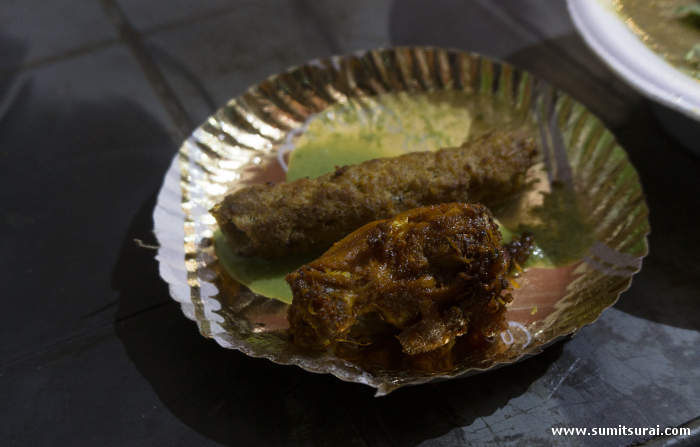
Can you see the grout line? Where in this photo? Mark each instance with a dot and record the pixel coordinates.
(328, 33)
(87, 332)
(168, 61)
(196, 18)
(132, 39)
(106, 43)
(74, 52)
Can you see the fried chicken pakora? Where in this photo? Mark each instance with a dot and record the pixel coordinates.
(432, 272)
(271, 220)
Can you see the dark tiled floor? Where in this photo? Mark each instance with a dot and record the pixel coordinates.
(49, 33)
(164, 13)
(86, 133)
(95, 97)
(227, 58)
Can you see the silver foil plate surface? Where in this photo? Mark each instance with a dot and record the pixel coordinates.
(582, 166)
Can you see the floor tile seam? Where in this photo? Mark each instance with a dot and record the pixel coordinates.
(78, 51)
(193, 19)
(102, 44)
(165, 93)
(8, 363)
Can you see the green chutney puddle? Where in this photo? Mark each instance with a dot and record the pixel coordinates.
(262, 276)
(357, 131)
(384, 126)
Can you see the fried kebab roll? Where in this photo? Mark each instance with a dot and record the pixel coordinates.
(433, 272)
(270, 220)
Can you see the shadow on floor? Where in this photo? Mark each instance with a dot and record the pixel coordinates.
(12, 81)
(237, 400)
(667, 290)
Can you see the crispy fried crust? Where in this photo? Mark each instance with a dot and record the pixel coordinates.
(270, 220)
(431, 272)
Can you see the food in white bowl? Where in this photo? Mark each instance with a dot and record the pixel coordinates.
(626, 38)
(671, 28)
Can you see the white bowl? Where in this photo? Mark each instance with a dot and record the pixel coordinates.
(606, 33)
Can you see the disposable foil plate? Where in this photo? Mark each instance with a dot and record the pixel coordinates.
(583, 173)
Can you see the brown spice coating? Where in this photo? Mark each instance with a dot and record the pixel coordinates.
(270, 220)
(520, 248)
(431, 272)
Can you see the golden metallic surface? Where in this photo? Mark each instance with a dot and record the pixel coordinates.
(584, 173)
